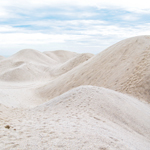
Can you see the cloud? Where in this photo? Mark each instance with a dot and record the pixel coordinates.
(72, 25)
(77, 35)
(140, 6)
(130, 17)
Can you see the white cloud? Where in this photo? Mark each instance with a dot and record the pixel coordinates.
(93, 37)
(140, 6)
(130, 17)
(37, 38)
(71, 34)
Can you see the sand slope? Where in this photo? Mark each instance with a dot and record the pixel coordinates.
(84, 118)
(122, 67)
(71, 63)
(19, 95)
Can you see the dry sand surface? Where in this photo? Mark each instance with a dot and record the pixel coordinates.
(60, 100)
(86, 118)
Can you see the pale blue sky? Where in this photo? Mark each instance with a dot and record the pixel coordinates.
(80, 26)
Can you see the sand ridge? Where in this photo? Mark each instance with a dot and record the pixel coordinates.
(71, 63)
(30, 65)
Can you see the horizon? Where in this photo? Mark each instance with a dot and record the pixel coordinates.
(78, 26)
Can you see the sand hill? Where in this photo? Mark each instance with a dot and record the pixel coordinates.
(71, 63)
(83, 118)
(122, 67)
(100, 102)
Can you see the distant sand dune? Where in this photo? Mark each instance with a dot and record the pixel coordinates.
(30, 55)
(30, 65)
(60, 56)
(1, 57)
(24, 71)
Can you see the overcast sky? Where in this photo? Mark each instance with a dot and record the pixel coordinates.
(74, 25)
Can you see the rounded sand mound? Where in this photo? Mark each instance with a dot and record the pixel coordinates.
(100, 102)
(30, 55)
(122, 67)
(71, 63)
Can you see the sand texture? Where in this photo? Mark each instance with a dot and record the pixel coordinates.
(85, 118)
(61, 100)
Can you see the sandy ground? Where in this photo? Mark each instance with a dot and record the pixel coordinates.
(84, 118)
(62, 100)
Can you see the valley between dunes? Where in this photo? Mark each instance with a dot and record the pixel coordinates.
(61, 100)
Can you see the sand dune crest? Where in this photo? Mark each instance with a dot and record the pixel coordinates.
(60, 56)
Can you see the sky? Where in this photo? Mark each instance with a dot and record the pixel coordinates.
(83, 26)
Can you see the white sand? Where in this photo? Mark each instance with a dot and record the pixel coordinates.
(83, 118)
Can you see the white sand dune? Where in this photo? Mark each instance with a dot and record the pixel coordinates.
(25, 72)
(20, 95)
(84, 118)
(71, 63)
(34, 114)
(31, 65)
(26, 65)
(122, 67)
